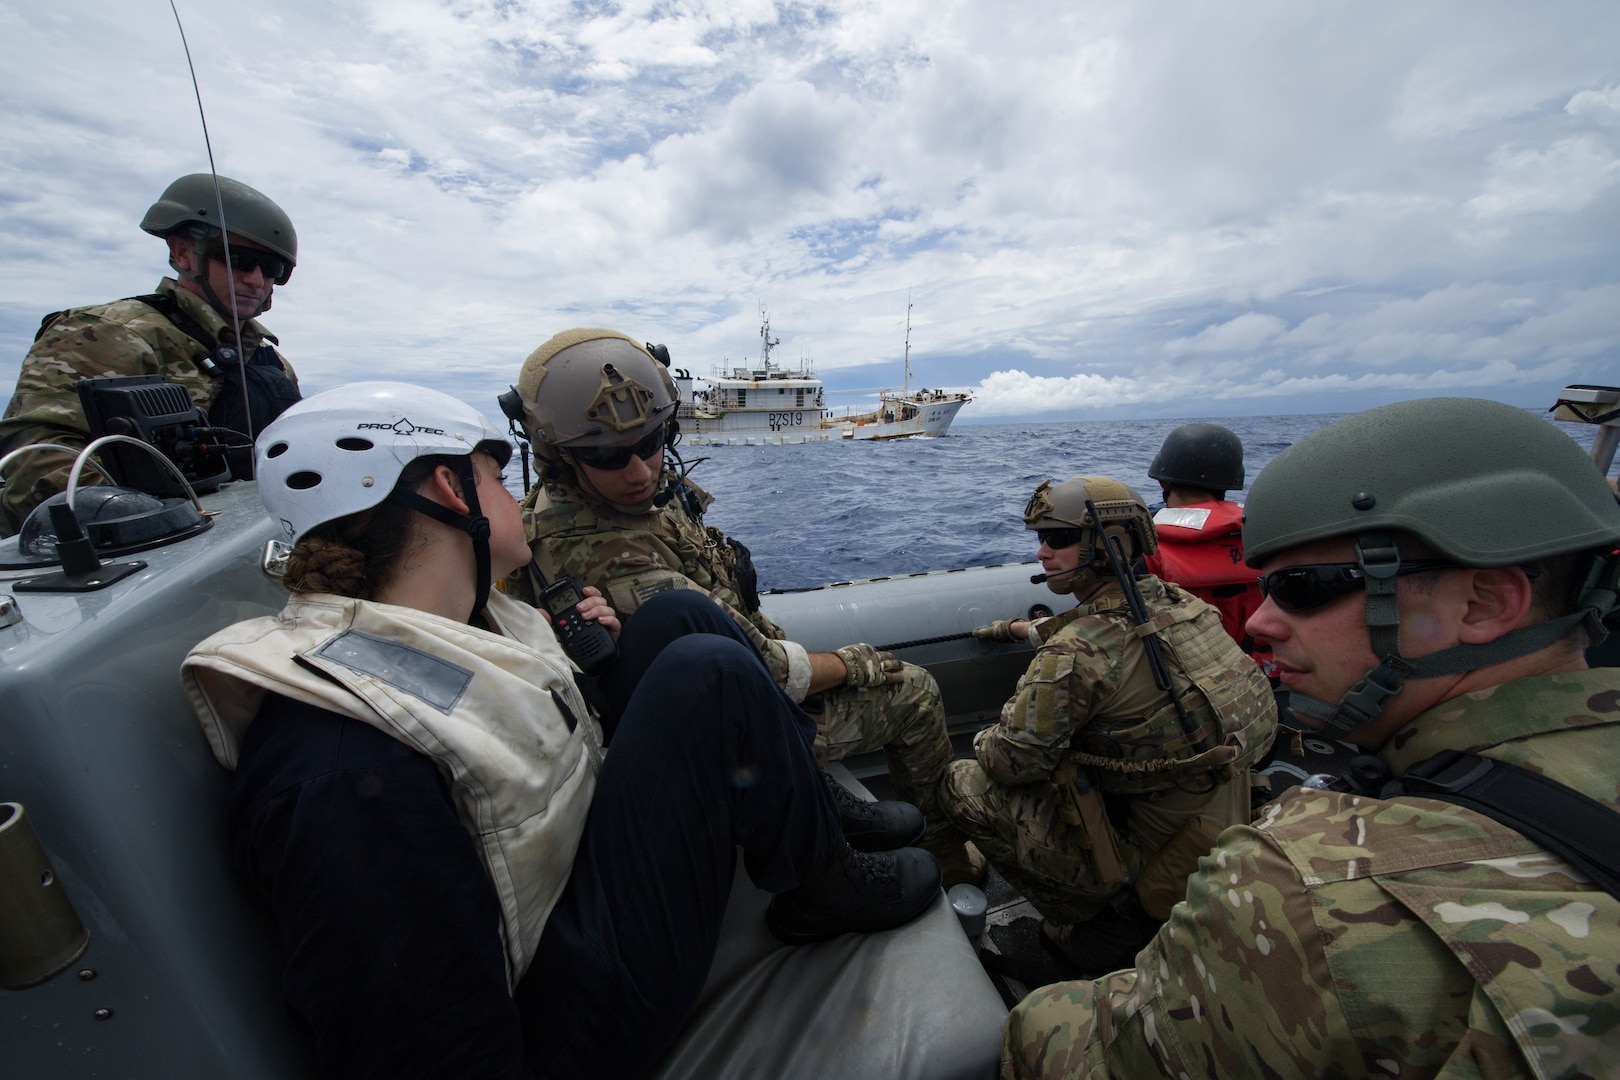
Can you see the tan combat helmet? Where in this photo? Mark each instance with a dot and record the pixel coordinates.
(1120, 509)
(592, 387)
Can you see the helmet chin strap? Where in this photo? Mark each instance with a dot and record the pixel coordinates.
(473, 523)
(1367, 699)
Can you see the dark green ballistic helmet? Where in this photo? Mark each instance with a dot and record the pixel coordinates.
(1204, 456)
(190, 200)
(1483, 483)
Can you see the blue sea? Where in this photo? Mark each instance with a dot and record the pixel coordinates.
(841, 510)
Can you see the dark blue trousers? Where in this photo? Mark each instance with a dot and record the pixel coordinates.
(708, 757)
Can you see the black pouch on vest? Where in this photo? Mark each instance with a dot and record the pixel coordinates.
(269, 393)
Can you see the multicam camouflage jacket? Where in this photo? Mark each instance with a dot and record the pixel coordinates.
(125, 337)
(1351, 936)
(1089, 692)
(631, 557)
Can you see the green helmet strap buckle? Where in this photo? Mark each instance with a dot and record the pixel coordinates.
(1600, 595)
(1380, 561)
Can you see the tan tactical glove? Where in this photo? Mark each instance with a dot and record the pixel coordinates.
(1000, 630)
(865, 665)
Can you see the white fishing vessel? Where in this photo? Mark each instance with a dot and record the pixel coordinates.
(768, 405)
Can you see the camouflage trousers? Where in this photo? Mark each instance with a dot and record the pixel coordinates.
(1054, 1032)
(1021, 830)
(906, 720)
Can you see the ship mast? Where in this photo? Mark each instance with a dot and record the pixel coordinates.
(906, 383)
(765, 338)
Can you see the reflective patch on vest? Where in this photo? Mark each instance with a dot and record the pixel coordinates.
(645, 590)
(420, 674)
(1182, 517)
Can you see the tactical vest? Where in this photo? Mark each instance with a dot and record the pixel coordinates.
(500, 714)
(1228, 697)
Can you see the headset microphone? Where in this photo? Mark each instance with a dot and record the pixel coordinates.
(1037, 579)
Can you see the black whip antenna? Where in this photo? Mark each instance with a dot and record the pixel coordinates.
(224, 232)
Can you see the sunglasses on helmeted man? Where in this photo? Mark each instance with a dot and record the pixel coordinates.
(613, 458)
(1059, 538)
(244, 259)
(1302, 588)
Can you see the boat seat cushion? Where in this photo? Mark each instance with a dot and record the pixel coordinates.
(912, 1002)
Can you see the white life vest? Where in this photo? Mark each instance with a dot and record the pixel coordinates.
(499, 713)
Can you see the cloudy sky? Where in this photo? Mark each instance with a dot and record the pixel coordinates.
(1096, 210)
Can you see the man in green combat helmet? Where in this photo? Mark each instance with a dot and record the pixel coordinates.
(612, 511)
(185, 331)
(1434, 572)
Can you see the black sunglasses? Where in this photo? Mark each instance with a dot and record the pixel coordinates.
(1059, 538)
(244, 259)
(613, 458)
(1302, 588)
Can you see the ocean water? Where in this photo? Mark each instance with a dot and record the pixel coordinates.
(838, 511)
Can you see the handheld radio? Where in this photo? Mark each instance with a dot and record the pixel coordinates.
(584, 640)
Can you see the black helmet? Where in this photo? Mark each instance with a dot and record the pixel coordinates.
(191, 201)
(1204, 456)
(1482, 483)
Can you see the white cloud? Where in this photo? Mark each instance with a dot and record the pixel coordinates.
(1565, 178)
(1092, 207)
(1241, 334)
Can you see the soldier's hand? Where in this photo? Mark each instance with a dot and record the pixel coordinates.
(1003, 630)
(865, 666)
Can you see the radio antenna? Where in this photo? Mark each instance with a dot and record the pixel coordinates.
(224, 232)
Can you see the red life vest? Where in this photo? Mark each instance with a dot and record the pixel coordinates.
(1201, 549)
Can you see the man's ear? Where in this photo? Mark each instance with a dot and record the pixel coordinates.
(181, 255)
(1499, 601)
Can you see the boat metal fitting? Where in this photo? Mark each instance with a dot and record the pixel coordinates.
(40, 933)
(10, 613)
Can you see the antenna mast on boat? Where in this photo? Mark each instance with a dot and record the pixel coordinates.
(765, 338)
(906, 379)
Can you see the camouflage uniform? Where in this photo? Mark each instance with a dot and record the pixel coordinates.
(125, 337)
(1350, 936)
(1089, 699)
(631, 557)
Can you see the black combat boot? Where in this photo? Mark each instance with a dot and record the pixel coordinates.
(858, 892)
(875, 826)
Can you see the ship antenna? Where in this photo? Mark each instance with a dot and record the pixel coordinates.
(224, 232)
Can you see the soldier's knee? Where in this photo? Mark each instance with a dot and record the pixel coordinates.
(961, 793)
(1047, 1032)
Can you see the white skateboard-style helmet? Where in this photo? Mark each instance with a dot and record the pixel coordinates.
(342, 450)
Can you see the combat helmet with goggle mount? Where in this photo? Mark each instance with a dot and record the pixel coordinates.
(1081, 504)
(1480, 483)
(594, 390)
